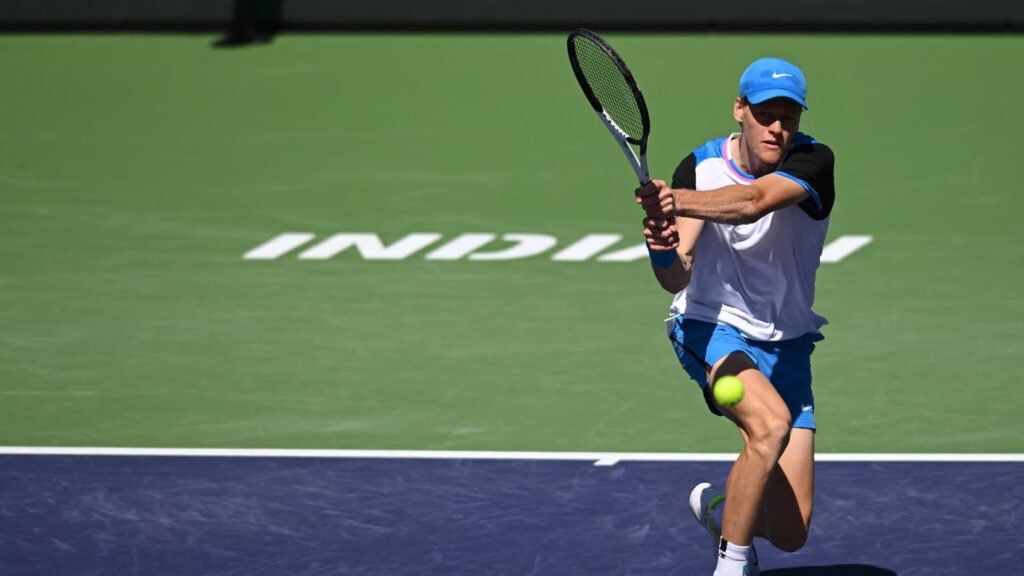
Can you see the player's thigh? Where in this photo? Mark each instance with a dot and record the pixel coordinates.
(762, 410)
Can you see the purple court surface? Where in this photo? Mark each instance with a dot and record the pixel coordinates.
(106, 515)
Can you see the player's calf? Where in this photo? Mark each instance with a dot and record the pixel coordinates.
(784, 518)
(788, 538)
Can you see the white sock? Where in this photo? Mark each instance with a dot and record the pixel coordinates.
(732, 559)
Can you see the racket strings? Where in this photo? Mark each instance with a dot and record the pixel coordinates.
(609, 86)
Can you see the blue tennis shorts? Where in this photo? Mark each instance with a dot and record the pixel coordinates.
(786, 363)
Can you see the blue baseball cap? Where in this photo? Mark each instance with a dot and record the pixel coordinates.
(769, 78)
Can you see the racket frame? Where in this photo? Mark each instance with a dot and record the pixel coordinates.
(625, 141)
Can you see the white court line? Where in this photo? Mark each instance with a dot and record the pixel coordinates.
(842, 247)
(599, 458)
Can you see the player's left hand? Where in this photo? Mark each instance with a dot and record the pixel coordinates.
(656, 199)
(661, 233)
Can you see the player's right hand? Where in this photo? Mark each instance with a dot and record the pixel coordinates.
(655, 198)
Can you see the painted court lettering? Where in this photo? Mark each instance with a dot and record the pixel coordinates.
(485, 247)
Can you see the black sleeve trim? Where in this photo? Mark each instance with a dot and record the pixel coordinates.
(814, 164)
(685, 175)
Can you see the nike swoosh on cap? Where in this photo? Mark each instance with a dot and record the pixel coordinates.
(774, 75)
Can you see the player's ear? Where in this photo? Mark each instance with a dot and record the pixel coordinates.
(737, 109)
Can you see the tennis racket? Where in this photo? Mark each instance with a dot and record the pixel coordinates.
(612, 91)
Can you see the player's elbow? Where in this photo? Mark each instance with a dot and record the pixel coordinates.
(673, 279)
(675, 285)
(747, 214)
(753, 210)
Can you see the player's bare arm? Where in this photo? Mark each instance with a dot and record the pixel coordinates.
(688, 230)
(735, 204)
(678, 235)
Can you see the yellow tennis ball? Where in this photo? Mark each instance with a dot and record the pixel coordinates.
(728, 390)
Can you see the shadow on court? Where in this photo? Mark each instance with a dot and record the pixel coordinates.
(839, 570)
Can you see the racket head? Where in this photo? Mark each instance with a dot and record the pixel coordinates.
(609, 85)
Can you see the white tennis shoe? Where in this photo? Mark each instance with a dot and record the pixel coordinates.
(706, 503)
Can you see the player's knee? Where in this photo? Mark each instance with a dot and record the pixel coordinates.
(770, 435)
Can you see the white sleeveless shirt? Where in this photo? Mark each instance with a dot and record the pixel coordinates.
(759, 277)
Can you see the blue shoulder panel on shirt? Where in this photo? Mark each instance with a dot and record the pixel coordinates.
(710, 149)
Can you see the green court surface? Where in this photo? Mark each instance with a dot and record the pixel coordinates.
(136, 171)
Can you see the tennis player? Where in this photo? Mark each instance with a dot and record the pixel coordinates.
(738, 238)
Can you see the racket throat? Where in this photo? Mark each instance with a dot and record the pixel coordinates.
(639, 163)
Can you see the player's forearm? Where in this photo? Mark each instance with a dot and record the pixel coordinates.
(675, 277)
(732, 204)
